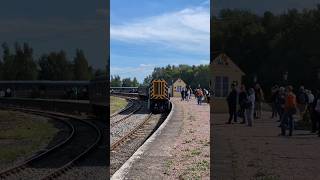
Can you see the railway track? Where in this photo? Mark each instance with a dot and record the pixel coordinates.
(125, 113)
(56, 161)
(135, 131)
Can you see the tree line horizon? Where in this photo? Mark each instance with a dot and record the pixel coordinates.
(192, 75)
(271, 49)
(19, 63)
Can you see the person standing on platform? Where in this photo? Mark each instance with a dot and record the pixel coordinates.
(182, 94)
(274, 94)
(316, 113)
(189, 92)
(243, 98)
(280, 99)
(258, 101)
(250, 106)
(302, 100)
(232, 104)
(199, 95)
(289, 110)
(186, 94)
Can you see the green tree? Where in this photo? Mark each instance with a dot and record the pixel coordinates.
(115, 81)
(81, 69)
(192, 75)
(24, 63)
(55, 66)
(135, 82)
(19, 66)
(8, 71)
(126, 82)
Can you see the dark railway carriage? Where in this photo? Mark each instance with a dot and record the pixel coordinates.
(46, 89)
(143, 92)
(99, 96)
(123, 89)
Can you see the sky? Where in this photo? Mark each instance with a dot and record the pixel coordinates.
(152, 33)
(260, 6)
(52, 25)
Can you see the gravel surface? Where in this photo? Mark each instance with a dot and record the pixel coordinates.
(132, 106)
(122, 153)
(181, 150)
(258, 152)
(191, 150)
(80, 142)
(124, 127)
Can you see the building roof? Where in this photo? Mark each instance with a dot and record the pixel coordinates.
(179, 79)
(224, 61)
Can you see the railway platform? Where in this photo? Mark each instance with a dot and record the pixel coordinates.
(259, 152)
(176, 149)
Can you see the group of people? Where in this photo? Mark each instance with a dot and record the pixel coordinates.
(249, 101)
(285, 103)
(199, 93)
(186, 93)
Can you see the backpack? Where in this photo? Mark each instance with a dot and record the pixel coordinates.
(291, 101)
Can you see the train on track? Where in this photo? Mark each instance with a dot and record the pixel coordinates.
(157, 95)
(94, 91)
(45, 89)
(98, 96)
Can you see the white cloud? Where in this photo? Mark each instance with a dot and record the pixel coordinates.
(139, 72)
(186, 30)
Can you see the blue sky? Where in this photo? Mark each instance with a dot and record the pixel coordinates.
(150, 33)
(54, 25)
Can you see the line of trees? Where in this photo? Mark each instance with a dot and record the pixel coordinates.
(269, 45)
(20, 64)
(192, 75)
(116, 81)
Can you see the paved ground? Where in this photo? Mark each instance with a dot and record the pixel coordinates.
(241, 152)
(181, 151)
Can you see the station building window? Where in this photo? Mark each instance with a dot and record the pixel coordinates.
(221, 86)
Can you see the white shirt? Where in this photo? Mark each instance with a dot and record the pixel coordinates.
(310, 98)
(252, 99)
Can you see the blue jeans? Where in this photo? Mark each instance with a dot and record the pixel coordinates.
(199, 99)
(287, 122)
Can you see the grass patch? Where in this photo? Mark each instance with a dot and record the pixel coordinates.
(195, 170)
(195, 152)
(21, 134)
(168, 164)
(116, 104)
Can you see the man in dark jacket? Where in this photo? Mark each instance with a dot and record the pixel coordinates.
(232, 104)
